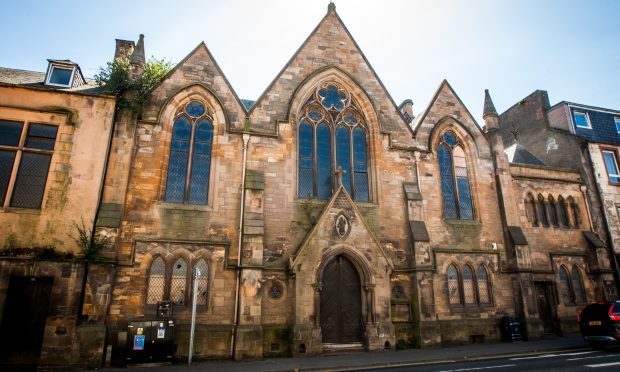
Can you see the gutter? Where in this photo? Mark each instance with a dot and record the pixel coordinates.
(233, 340)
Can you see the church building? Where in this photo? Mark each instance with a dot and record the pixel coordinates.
(320, 217)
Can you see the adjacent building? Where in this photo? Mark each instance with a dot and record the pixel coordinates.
(321, 216)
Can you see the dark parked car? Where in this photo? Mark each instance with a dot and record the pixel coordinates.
(599, 323)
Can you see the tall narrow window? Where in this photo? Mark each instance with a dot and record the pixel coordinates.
(562, 212)
(203, 282)
(29, 147)
(157, 281)
(454, 293)
(551, 211)
(468, 285)
(565, 288)
(332, 133)
(189, 163)
(482, 278)
(530, 210)
(574, 208)
(611, 165)
(577, 284)
(178, 282)
(455, 188)
(542, 211)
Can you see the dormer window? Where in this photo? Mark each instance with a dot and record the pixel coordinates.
(581, 120)
(64, 74)
(60, 76)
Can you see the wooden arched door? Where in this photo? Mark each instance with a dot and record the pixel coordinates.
(341, 303)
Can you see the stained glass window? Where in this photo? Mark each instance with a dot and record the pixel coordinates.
(482, 278)
(468, 285)
(454, 294)
(578, 289)
(454, 178)
(157, 281)
(203, 282)
(565, 287)
(178, 282)
(192, 138)
(331, 134)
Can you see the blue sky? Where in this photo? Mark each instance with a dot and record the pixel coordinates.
(569, 48)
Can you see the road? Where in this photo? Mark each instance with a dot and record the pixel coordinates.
(594, 360)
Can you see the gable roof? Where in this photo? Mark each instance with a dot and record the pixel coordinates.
(340, 193)
(517, 153)
(35, 79)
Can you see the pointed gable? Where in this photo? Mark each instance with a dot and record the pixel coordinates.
(325, 232)
(444, 105)
(330, 44)
(198, 68)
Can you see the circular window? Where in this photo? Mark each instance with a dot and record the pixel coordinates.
(195, 109)
(450, 138)
(276, 290)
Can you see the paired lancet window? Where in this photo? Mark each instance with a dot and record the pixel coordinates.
(455, 189)
(465, 288)
(189, 164)
(332, 135)
(170, 282)
(571, 286)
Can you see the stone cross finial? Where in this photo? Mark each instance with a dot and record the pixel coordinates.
(339, 173)
(514, 133)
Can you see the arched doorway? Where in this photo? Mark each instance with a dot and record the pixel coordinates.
(341, 303)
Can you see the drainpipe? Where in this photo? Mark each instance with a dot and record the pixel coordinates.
(246, 139)
(610, 245)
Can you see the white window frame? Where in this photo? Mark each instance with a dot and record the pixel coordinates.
(617, 122)
(51, 71)
(576, 112)
(614, 156)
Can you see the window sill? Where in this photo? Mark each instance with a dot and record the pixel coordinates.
(21, 211)
(463, 222)
(185, 207)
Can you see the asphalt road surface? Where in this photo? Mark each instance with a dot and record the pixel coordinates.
(587, 360)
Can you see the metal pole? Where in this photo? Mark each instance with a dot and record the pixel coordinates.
(193, 328)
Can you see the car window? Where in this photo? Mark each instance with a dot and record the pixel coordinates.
(596, 311)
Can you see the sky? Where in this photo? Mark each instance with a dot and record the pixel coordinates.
(569, 48)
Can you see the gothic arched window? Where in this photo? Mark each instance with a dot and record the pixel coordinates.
(565, 288)
(157, 281)
(484, 291)
(551, 212)
(562, 212)
(577, 284)
(332, 134)
(203, 282)
(454, 292)
(530, 210)
(574, 208)
(541, 208)
(189, 164)
(455, 189)
(178, 282)
(468, 285)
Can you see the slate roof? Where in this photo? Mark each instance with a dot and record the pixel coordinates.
(248, 103)
(517, 153)
(36, 79)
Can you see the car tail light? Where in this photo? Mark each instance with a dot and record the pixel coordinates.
(612, 313)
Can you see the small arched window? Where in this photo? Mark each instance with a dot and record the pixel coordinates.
(468, 285)
(178, 282)
(577, 284)
(203, 282)
(565, 288)
(530, 209)
(551, 211)
(574, 208)
(157, 281)
(455, 188)
(562, 212)
(189, 163)
(332, 134)
(482, 277)
(542, 211)
(454, 293)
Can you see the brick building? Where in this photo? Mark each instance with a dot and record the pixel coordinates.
(322, 217)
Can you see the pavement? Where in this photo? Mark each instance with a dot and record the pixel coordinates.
(356, 361)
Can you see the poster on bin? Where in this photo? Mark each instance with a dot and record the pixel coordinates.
(138, 342)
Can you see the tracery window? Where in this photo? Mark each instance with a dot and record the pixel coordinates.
(332, 134)
(171, 283)
(455, 188)
(475, 289)
(454, 293)
(189, 164)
